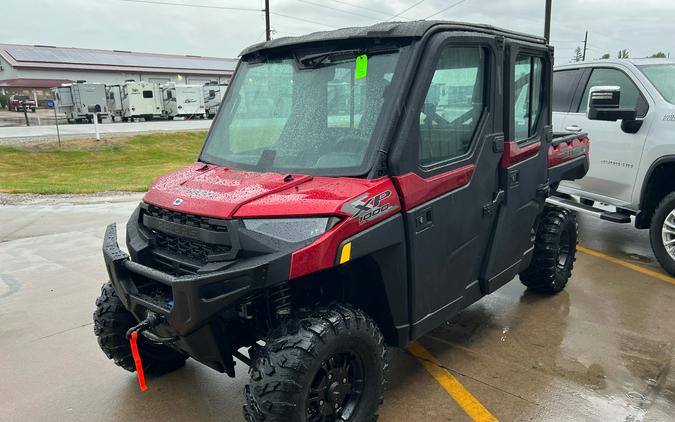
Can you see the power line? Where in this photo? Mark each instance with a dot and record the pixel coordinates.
(335, 8)
(200, 6)
(399, 14)
(443, 10)
(360, 7)
(302, 20)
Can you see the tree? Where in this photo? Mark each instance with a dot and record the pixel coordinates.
(578, 55)
(623, 54)
(605, 56)
(3, 101)
(659, 55)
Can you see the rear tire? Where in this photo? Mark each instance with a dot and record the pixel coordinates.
(661, 231)
(111, 322)
(555, 249)
(332, 360)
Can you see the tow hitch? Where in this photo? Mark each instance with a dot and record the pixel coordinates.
(150, 321)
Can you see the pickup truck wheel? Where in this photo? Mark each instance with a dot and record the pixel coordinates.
(328, 365)
(662, 233)
(111, 322)
(555, 249)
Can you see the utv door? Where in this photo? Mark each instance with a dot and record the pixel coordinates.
(447, 164)
(523, 170)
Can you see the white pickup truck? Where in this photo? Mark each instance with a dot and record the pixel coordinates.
(632, 160)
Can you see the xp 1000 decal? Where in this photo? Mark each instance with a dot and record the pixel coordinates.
(367, 208)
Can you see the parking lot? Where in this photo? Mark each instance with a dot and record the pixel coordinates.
(600, 350)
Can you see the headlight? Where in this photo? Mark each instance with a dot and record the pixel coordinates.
(290, 229)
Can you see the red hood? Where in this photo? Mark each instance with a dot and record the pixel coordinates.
(225, 193)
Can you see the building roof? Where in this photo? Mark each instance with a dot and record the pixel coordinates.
(50, 57)
(413, 29)
(32, 83)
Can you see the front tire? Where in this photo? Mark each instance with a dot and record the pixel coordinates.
(555, 249)
(324, 366)
(111, 322)
(662, 233)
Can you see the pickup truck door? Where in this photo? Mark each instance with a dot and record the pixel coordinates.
(615, 155)
(450, 178)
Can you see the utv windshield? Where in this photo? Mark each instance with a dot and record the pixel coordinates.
(662, 76)
(313, 114)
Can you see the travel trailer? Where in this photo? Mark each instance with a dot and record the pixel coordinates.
(81, 100)
(183, 101)
(213, 95)
(114, 97)
(141, 99)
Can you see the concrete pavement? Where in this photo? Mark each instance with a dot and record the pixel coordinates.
(601, 350)
(18, 135)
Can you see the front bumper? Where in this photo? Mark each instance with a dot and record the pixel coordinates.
(195, 307)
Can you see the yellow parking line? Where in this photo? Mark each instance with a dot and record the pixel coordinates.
(462, 396)
(628, 265)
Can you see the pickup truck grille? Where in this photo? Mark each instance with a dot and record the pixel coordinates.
(195, 239)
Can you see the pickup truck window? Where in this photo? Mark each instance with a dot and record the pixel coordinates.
(630, 94)
(453, 104)
(528, 83)
(663, 78)
(565, 83)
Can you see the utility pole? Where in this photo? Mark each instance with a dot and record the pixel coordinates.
(268, 33)
(547, 22)
(583, 57)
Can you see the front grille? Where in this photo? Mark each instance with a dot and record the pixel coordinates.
(208, 223)
(194, 247)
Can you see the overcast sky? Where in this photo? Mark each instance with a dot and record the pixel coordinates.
(643, 27)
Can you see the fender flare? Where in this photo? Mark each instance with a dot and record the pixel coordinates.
(661, 160)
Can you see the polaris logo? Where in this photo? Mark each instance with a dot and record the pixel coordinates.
(177, 201)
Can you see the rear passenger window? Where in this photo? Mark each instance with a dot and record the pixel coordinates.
(565, 83)
(453, 105)
(630, 94)
(528, 83)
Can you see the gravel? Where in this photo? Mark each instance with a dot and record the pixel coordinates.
(89, 198)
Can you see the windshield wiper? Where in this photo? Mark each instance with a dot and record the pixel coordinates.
(314, 60)
(318, 58)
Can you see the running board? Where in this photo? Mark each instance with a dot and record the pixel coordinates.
(614, 217)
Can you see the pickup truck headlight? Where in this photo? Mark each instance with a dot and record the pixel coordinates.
(291, 230)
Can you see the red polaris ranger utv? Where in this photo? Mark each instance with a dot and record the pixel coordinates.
(357, 188)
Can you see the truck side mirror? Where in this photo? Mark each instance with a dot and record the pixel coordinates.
(604, 104)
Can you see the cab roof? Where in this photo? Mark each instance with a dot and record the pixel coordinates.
(635, 62)
(413, 29)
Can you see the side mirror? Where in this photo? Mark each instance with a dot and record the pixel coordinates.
(604, 104)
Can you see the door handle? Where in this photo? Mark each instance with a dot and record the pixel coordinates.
(573, 128)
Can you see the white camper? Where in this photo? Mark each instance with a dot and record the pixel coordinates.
(81, 100)
(114, 96)
(141, 99)
(213, 95)
(183, 101)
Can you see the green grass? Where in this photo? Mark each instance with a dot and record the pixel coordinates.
(86, 167)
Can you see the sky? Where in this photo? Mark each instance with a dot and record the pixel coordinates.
(642, 27)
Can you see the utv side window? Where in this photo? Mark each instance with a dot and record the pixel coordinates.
(528, 80)
(630, 94)
(453, 105)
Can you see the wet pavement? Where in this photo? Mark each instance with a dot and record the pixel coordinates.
(601, 350)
